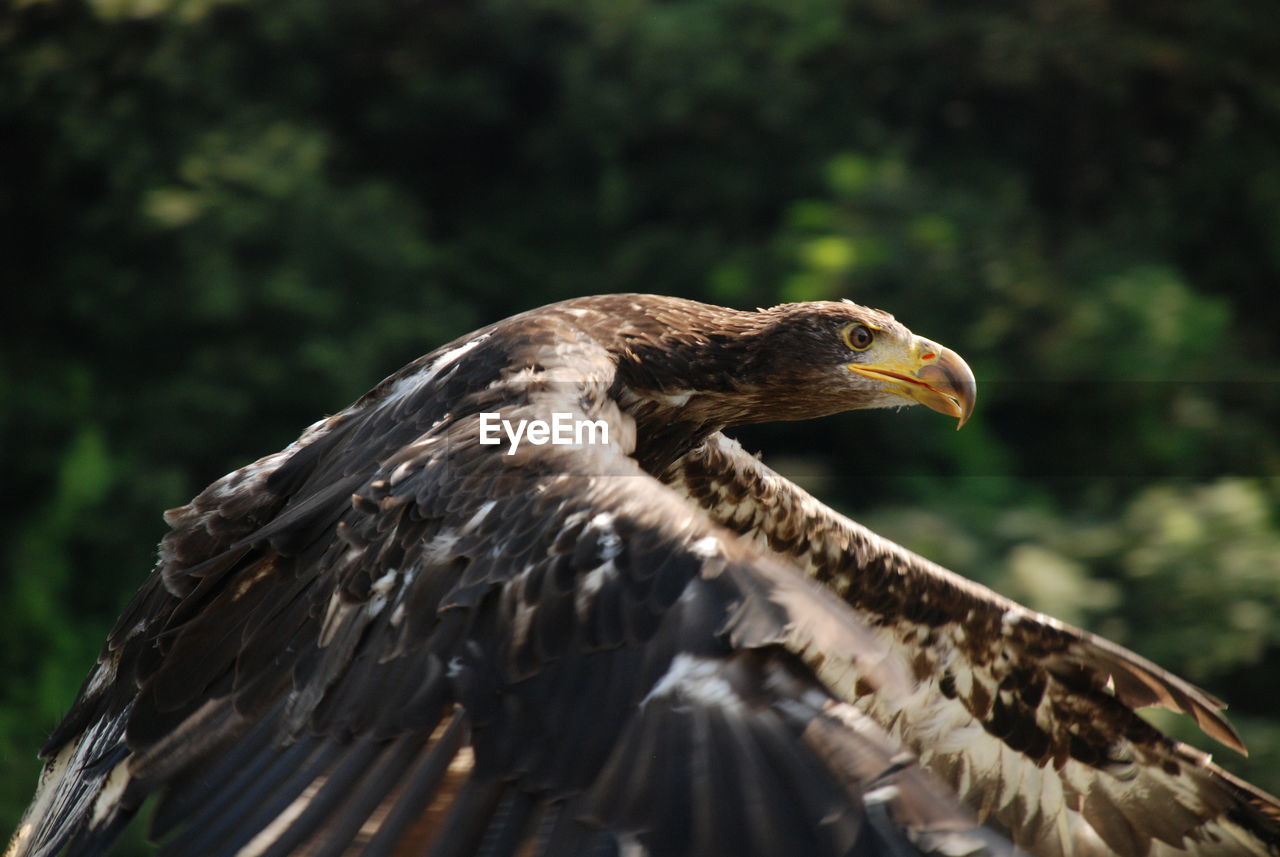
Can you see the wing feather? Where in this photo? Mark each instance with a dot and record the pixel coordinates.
(1028, 718)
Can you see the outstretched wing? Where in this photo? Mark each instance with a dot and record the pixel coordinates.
(390, 636)
(1032, 721)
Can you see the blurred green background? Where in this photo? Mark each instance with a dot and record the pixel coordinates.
(224, 219)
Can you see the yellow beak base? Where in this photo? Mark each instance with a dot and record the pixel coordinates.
(934, 376)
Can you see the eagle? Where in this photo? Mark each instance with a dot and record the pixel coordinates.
(525, 597)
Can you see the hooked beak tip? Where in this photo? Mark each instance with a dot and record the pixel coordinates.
(951, 387)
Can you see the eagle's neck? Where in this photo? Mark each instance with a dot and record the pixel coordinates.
(683, 382)
(686, 370)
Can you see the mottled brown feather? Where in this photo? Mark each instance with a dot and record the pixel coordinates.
(1060, 701)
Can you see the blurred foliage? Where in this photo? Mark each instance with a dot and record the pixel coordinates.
(224, 219)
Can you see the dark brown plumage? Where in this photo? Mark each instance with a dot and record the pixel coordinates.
(395, 637)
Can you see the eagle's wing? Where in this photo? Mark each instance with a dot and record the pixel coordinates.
(1032, 721)
(389, 636)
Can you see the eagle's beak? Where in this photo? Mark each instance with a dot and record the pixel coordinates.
(934, 376)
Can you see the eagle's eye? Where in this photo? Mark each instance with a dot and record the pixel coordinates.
(858, 337)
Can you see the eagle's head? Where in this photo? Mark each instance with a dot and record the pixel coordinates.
(826, 357)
